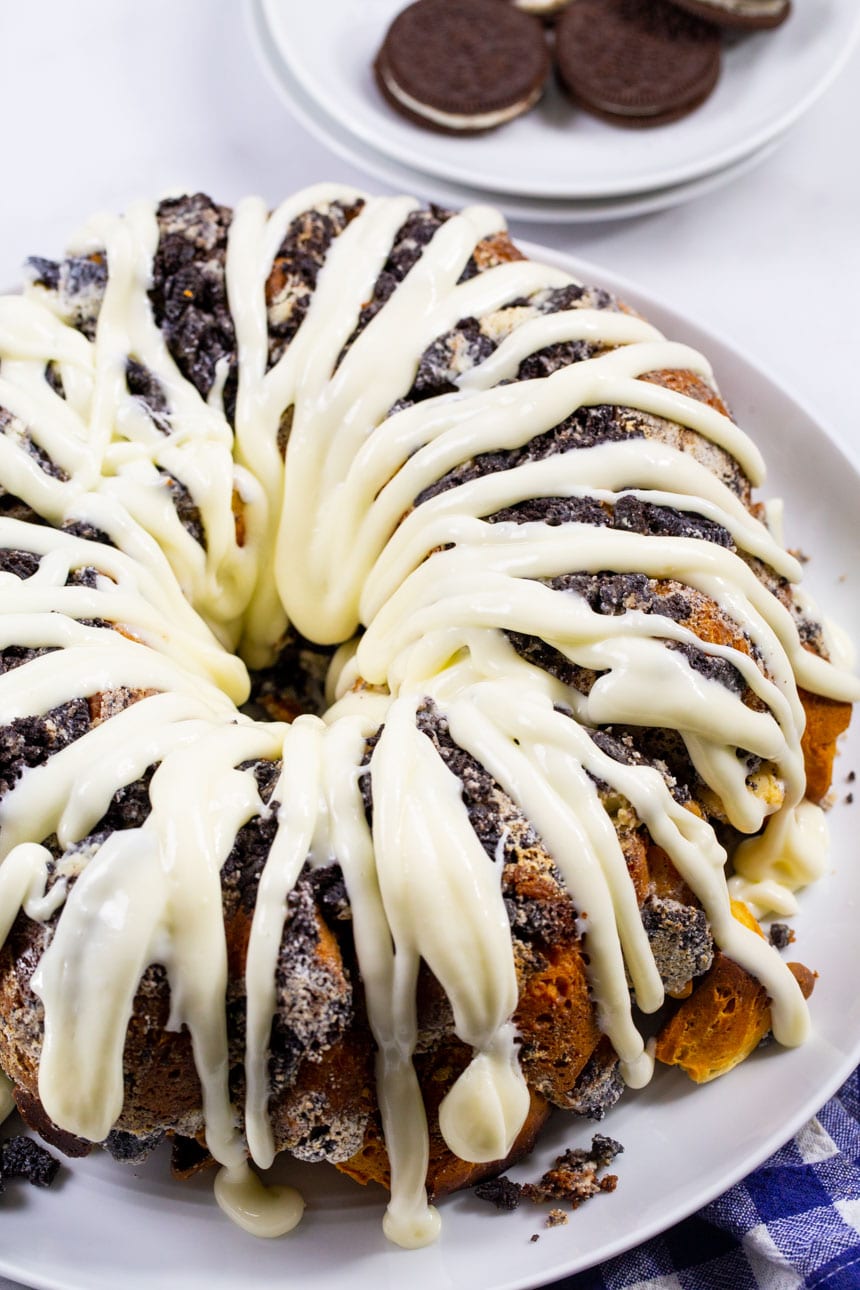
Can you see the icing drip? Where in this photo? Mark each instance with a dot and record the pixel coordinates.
(305, 511)
(7, 1100)
(260, 1210)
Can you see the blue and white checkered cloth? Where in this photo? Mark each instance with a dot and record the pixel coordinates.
(793, 1224)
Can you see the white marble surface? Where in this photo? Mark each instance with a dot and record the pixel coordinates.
(106, 100)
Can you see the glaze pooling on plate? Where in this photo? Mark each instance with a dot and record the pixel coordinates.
(396, 547)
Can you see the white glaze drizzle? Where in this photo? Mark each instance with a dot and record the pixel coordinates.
(435, 587)
(7, 1099)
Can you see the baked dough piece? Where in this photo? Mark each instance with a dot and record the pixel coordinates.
(725, 1018)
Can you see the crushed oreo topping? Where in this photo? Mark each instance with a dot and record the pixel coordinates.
(575, 295)
(616, 593)
(293, 276)
(16, 655)
(148, 391)
(448, 357)
(478, 788)
(87, 531)
(30, 741)
(313, 1007)
(13, 508)
(187, 510)
(189, 292)
(665, 750)
(710, 666)
(409, 241)
(78, 283)
(23, 564)
(554, 511)
(598, 1087)
(639, 516)
(680, 940)
(54, 378)
(543, 362)
(14, 429)
(582, 429)
(130, 1148)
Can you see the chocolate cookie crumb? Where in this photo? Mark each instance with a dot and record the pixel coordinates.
(573, 1178)
(781, 935)
(501, 1192)
(21, 1157)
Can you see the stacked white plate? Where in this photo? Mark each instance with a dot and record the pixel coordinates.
(556, 163)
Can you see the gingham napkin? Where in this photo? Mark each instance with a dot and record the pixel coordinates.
(793, 1224)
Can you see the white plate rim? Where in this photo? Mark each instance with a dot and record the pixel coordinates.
(718, 348)
(327, 130)
(373, 133)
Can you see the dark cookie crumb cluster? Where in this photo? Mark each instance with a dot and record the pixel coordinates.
(149, 393)
(781, 935)
(293, 277)
(189, 292)
(23, 1158)
(572, 1179)
(680, 940)
(79, 284)
(30, 741)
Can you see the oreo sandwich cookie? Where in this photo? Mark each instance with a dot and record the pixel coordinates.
(462, 66)
(753, 15)
(545, 9)
(636, 62)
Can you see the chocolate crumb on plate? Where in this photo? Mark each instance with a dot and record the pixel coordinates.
(781, 935)
(746, 15)
(501, 1192)
(573, 1179)
(574, 1176)
(21, 1157)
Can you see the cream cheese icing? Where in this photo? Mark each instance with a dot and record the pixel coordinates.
(455, 120)
(753, 8)
(432, 591)
(7, 1099)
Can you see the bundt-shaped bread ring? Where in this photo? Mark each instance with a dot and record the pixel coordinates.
(484, 543)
